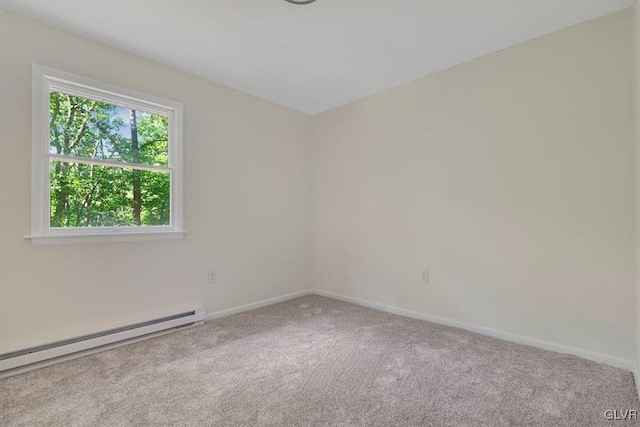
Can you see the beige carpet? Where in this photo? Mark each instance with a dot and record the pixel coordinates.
(315, 361)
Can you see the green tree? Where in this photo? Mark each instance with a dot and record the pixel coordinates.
(88, 195)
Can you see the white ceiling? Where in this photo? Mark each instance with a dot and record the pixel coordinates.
(315, 57)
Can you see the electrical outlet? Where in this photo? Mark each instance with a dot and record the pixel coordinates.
(212, 276)
(424, 276)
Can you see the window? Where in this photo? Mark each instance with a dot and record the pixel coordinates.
(106, 162)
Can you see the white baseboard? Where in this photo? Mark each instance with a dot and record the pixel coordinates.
(257, 304)
(508, 336)
(520, 339)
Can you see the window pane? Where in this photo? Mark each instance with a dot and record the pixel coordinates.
(86, 128)
(101, 196)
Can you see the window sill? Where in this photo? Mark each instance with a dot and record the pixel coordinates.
(68, 239)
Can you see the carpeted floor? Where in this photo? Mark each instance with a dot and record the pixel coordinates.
(315, 361)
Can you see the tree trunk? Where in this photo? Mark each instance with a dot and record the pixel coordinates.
(137, 193)
(61, 196)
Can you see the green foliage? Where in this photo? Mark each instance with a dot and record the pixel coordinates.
(84, 195)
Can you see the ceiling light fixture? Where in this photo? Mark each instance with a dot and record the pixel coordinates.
(300, 1)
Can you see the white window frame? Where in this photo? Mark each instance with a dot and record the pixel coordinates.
(43, 81)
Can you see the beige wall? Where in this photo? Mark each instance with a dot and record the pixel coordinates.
(510, 178)
(247, 202)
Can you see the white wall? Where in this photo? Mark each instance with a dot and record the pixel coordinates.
(247, 202)
(510, 178)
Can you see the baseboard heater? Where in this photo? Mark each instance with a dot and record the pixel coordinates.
(28, 356)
